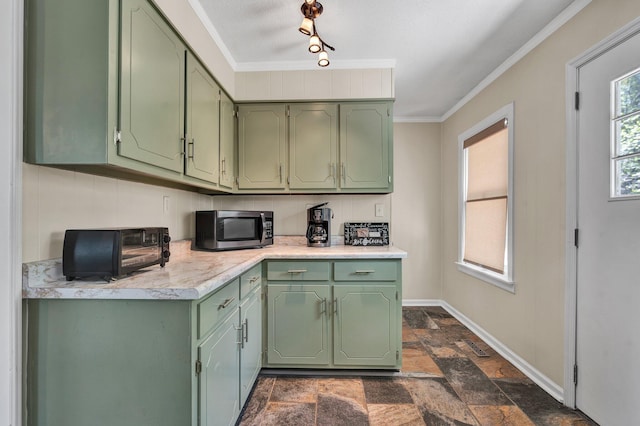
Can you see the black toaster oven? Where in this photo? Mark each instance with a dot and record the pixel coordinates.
(113, 252)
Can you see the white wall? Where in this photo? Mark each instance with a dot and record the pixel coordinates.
(55, 200)
(531, 321)
(315, 84)
(416, 204)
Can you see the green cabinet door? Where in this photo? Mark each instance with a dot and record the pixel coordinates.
(298, 324)
(261, 146)
(365, 325)
(251, 346)
(227, 142)
(313, 146)
(202, 131)
(152, 88)
(365, 156)
(218, 382)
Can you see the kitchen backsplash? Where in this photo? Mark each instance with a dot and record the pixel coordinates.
(290, 211)
(55, 200)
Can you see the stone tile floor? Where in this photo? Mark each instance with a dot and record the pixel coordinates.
(442, 382)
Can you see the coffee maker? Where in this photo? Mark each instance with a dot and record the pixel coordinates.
(319, 226)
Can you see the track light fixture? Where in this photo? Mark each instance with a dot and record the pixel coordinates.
(311, 9)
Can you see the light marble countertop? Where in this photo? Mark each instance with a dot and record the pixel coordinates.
(189, 275)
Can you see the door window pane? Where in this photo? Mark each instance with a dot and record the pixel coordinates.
(628, 135)
(627, 175)
(625, 159)
(628, 94)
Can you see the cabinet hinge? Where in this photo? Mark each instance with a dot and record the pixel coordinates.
(389, 178)
(198, 367)
(288, 112)
(117, 136)
(576, 234)
(577, 101)
(575, 374)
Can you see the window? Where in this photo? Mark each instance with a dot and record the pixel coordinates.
(625, 125)
(486, 199)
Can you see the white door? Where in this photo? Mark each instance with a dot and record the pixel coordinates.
(608, 272)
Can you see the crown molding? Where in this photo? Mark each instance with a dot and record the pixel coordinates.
(569, 12)
(202, 15)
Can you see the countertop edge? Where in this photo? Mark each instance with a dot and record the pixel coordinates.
(41, 279)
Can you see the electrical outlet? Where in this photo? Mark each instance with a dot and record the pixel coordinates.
(165, 204)
(379, 210)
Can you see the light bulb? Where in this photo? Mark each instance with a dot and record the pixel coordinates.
(323, 58)
(314, 44)
(306, 27)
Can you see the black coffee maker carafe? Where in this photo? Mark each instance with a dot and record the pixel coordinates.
(319, 226)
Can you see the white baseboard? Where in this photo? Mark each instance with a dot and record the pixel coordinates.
(527, 369)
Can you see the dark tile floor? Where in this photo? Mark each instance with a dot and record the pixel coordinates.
(442, 382)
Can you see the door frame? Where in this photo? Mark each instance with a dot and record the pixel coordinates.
(11, 79)
(571, 202)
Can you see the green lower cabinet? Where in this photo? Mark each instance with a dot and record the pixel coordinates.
(108, 363)
(298, 324)
(218, 382)
(365, 325)
(143, 362)
(352, 320)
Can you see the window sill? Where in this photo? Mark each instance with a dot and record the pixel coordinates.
(487, 276)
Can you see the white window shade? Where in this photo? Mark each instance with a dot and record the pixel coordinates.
(486, 200)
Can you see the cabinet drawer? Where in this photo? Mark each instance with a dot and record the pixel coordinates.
(250, 280)
(366, 271)
(298, 271)
(215, 308)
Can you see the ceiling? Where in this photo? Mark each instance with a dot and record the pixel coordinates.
(440, 49)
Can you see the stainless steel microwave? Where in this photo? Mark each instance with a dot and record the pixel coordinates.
(233, 229)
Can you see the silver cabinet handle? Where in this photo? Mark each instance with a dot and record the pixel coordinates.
(280, 172)
(323, 306)
(226, 303)
(224, 166)
(344, 174)
(192, 144)
(240, 329)
(296, 271)
(335, 306)
(245, 332)
(365, 271)
(253, 280)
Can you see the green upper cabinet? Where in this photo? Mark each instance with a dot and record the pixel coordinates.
(313, 146)
(202, 132)
(227, 142)
(332, 147)
(152, 91)
(365, 142)
(262, 146)
(109, 90)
